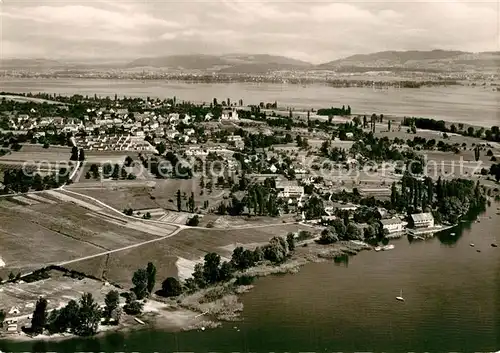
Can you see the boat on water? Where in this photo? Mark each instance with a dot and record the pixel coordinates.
(400, 298)
(471, 244)
(493, 245)
(453, 234)
(377, 248)
(388, 247)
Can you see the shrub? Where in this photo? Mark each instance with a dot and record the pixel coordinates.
(244, 280)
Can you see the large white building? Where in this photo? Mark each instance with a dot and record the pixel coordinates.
(230, 115)
(393, 225)
(423, 220)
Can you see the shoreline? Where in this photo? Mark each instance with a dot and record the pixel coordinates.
(195, 311)
(212, 306)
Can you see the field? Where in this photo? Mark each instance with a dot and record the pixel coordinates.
(149, 194)
(58, 290)
(26, 245)
(60, 228)
(29, 99)
(189, 245)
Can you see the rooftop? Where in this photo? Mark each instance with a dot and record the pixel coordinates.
(422, 217)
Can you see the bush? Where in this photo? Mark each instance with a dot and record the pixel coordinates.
(244, 280)
(170, 287)
(193, 221)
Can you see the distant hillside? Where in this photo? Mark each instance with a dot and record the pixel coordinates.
(265, 59)
(187, 62)
(233, 63)
(434, 60)
(9, 64)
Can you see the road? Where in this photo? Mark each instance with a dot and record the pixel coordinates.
(119, 249)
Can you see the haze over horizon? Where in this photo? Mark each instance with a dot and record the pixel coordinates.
(314, 32)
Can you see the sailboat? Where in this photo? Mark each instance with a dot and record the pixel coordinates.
(400, 298)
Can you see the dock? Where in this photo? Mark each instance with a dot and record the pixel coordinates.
(139, 321)
(197, 316)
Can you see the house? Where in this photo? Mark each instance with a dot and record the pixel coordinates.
(234, 138)
(289, 190)
(422, 220)
(14, 311)
(12, 328)
(230, 115)
(393, 225)
(171, 134)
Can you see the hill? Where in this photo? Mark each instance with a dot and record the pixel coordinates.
(9, 64)
(434, 60)
(231, 63)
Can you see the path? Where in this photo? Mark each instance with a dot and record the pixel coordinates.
(119, 249)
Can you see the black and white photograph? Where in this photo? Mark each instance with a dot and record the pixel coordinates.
(249, 176)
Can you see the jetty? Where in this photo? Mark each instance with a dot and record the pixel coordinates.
(197, 316)
(139, 321)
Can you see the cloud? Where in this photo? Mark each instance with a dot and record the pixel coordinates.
(317, 31)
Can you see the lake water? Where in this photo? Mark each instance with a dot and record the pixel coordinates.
(470, 105)
(452, 303)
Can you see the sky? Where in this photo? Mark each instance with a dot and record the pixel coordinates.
(315, 31)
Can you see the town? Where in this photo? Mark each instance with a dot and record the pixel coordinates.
(209, 195)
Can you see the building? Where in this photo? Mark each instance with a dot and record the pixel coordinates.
(393, 225)
(422, 220)
(230, 115)
(289, 189)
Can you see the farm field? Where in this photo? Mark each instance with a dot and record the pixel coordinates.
(26, 245)
(189, 244)
(58, 290)
(36, 153)
(121, 198)
(53, 230)
(151, 194)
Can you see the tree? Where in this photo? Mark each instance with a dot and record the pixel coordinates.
(242, 259)
(151, 271)
(161, 148)
(2, 317)
(89, 316)
(81, 155)
(290, 239)
(116, 172)
(211, 268)
(191, 203)
(477, 154)
(128, 161)
(353, 232)
(74, 154)
(39, 319)
(112, 300)
(179, 201)
(132, 305)
(226, 271)
(328, 236)
(193, 221)
(171, 287)
(276, 251)
(140, 281)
